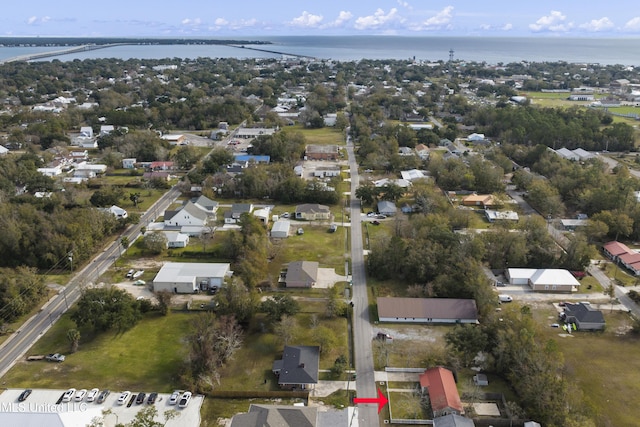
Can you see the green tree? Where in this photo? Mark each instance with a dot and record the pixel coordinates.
(124, 242)
(218, 158)
(106, 308)
(339, 366)
(164, 301)
(466, 341)
(235, 299)
(278, 306)
(135, 198)
(155, 242)
(185, 157)
(367, 193)
(146, 417)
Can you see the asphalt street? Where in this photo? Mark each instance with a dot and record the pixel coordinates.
(363, 333)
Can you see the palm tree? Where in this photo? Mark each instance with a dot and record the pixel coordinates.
(73, 335)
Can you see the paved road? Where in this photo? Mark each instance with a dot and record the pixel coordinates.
(363, 333)
(14, 348)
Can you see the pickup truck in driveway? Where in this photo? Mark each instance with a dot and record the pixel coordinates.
(55, 357)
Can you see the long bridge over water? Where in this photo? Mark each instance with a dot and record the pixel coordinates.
(88, 47)
(65, 51)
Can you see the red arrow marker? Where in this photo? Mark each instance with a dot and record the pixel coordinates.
(381, 400)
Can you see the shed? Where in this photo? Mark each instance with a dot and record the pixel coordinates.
(280, 229)
(480, 380)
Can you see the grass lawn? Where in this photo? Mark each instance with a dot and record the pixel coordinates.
(406, 406)
(316, 244)
(147, 357)
(322, 136)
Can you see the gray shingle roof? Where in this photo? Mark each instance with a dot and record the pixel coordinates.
(299, 365)
(584, 313)
(276, 416)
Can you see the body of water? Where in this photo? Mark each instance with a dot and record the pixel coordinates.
(492, 50)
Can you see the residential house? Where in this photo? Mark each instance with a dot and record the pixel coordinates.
(427, 310)
(483, 200)
(128, 163)
(237, 209)
(583, 316)
(493, 216)
(321, 152)
(117, 211)
(191, 277)
(440, 384)
(175, 239)
(312, 212)
(79, 156)
(251, 133)
(277, 415)
(301, 274)
(453, 420)
(86, 132)
(475, 137)
(247, 159)
(386, 207)
(187, 215)
(106, 129)
(87, 170)
(207, 205)
(161, 166)
(175, 139)
(614, 249)
(422, 151)
(405, 151)
(280, 229)
(51, 171)
(298, 368)
(412, 174)
(3, 150)
(572, 224)
(326, 172)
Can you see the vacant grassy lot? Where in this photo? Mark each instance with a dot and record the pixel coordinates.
(316, 244)
(147, 357)
(322, 136)
(603, 365)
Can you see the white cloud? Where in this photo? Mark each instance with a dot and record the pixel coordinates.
(243, 23)
(633, 24)
(221, 22)
(601, 24)
(191, 22)
(32, 20)
(554, 22)
(439, 21)
(45, 19)
(307, 20)
(342, 17)
(377, 20)
(405, 4)
(507, 27)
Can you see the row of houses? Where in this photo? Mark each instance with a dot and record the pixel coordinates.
(622, 254)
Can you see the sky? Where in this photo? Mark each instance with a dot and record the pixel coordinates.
(215, 18)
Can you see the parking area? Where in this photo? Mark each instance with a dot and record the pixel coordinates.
(48, 402)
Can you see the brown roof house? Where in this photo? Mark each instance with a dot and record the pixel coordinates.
(298, 368)
(321, 152)
(484, 200)
(427, 310)
(301, 274)
(312, 211)
(443, 392)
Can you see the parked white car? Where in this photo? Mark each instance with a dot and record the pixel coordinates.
(124, 396)
(68, 395)
(505, 298)
(80, 394)
(184, 401)
(93, 394)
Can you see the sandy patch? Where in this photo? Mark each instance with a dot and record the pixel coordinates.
(487, 409)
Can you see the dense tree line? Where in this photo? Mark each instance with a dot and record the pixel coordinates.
(20, 291)
(554, 127)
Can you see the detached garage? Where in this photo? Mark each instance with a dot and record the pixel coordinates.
(280, 229)
(189, 278)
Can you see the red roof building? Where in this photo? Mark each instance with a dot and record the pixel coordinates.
(443, 392)
(614, 249)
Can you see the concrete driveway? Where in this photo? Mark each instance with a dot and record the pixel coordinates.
(328, 277)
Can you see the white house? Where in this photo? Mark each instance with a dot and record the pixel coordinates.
(53, 171)
(86, 131)
(118, 212)
(87, 170)
(106, 129)
(386, 207)
(175, 239)
(128, 163)
(191, 277)
(476, 137)
(237, 209)
(187, 215)
(263, 214)
(3, 150)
